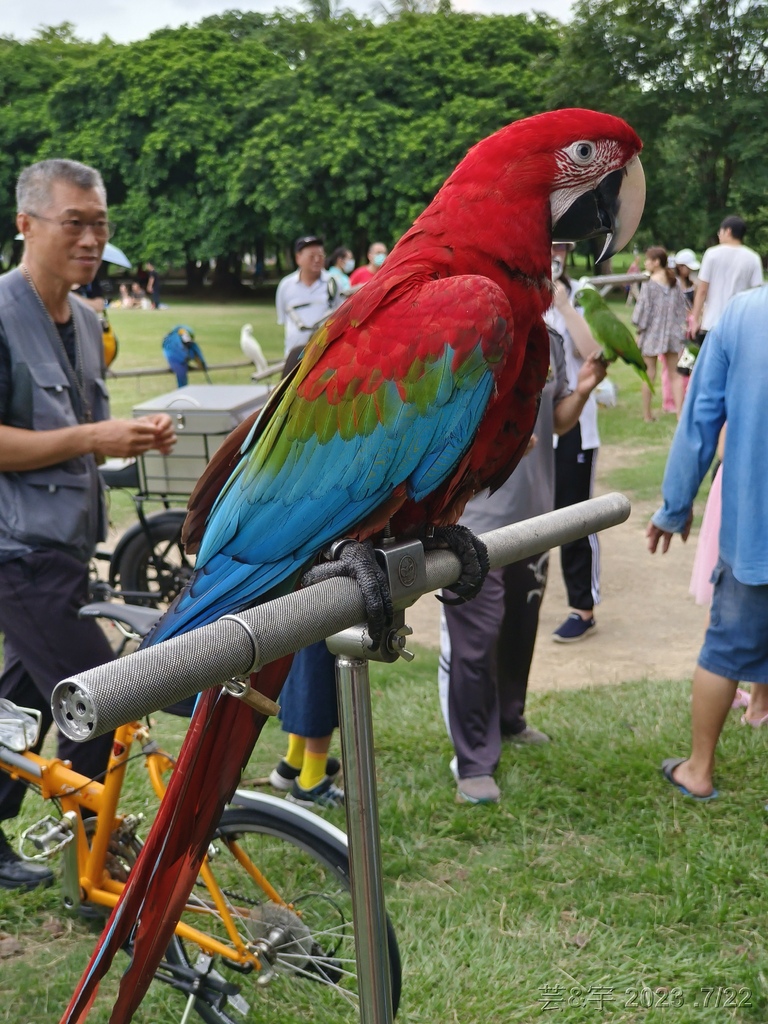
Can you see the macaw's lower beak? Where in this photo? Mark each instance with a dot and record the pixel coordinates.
(612, 209)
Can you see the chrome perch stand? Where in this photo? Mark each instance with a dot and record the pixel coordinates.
(97, 701)
(406, 571)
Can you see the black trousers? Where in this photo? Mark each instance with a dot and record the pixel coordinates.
(44, 642)
(485, 661)
(579, 560)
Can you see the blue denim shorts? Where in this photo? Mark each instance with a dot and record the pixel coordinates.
(736, 643)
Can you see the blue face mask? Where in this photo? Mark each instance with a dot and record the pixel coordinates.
(349, 266)
(379, 258)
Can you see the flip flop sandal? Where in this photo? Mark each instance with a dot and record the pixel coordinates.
(754, 722)
(668, 766)
(741, 700)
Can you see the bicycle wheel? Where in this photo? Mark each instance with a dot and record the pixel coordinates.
(312, 977)
(160, 568)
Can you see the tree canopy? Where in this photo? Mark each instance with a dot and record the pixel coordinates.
(692, 79)
(246, 130)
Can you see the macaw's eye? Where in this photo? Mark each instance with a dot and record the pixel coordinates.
(582, 152)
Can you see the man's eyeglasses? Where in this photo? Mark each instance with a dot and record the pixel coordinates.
(74, 227)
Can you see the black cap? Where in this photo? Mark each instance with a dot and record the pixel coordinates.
(305, 240)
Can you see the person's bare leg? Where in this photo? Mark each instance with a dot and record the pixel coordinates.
(675, 381)
(317, 746)
(758, 702)
(650, 365)
(711, 699)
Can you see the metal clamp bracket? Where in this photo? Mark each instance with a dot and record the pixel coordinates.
(405, 564)
(406, 569)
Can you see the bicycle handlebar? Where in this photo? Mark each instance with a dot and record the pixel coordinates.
(97, 701)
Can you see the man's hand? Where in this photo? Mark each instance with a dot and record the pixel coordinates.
(654, 535)
(165, 434)
(125, 439)
(590, 375)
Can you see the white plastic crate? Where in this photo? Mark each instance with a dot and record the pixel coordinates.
(203, 416)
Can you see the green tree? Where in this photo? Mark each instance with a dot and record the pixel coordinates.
(164, 120)
(360, 135)
(324, 10)
(691, 78)
(28, 73)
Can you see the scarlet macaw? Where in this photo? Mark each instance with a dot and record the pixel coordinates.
(419, 391)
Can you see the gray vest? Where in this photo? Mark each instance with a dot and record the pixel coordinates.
(60, 506)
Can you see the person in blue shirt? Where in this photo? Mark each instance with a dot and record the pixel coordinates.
(180, 349)
(730, 382)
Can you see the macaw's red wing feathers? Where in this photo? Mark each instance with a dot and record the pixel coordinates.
(388, 409)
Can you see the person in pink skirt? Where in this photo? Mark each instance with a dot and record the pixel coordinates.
(755, 700)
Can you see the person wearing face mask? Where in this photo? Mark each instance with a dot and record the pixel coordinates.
(377, 253)
(340, 265)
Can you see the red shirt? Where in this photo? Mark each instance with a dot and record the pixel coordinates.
(361, 276)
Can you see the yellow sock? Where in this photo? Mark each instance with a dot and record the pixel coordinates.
(295, 753)
(313, 770)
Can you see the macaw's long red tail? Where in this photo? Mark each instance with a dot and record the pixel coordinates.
(218, 744)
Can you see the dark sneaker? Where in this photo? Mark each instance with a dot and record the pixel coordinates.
(324, 794)
(528, 736)
(574, 628)
(16, 873)
(283, 776)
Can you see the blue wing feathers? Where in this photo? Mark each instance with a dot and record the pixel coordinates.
(276, 512)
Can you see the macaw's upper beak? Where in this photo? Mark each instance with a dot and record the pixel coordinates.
(613, 209)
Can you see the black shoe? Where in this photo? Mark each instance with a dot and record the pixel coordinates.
(16, 873)
(324, 794)
(282, 777)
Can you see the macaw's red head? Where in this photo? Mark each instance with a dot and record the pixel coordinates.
(577, 170)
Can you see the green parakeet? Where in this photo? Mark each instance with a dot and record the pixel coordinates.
(614, 337)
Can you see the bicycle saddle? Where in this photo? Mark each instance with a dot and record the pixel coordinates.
(135, 616)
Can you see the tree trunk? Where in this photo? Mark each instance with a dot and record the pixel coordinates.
(226, 274)
(195, 275)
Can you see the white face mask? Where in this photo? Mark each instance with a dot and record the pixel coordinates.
(349, 266)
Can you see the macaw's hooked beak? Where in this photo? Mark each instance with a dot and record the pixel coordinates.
(613, 209)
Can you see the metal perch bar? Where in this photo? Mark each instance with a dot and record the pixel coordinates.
(94, 702)
(163, 371)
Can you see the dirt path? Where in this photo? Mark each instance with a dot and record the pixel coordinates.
(648, 627)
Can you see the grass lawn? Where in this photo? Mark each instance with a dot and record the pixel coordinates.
(593, 892)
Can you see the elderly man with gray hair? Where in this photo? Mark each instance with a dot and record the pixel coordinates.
(54, 429)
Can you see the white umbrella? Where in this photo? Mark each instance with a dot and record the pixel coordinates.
(114, 255)
(111, 254)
